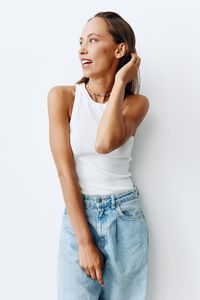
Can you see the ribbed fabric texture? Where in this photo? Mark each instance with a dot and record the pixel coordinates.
(97, 173)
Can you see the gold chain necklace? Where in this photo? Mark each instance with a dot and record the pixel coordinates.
(99, 94)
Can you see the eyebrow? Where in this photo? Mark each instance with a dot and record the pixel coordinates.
(93, 33)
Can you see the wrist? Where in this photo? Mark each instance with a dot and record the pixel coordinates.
(120, 82)
(85, 242)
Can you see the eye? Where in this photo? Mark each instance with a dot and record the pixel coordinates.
(92, 39)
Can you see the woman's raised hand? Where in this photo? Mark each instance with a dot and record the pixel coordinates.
(129, 70)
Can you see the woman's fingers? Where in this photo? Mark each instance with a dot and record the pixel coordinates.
(99, 274)
(95, 274)
(136, 59)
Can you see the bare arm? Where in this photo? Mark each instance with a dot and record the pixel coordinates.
(111, 126)
(59, 140)
(119, 122)
(90, 257)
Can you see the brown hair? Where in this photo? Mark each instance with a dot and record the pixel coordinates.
(121, 31)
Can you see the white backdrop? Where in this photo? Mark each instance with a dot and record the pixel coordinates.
(39, 44)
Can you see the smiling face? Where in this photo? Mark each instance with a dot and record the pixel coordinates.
(98, 46)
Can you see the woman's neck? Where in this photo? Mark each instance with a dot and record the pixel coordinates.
(101, 86)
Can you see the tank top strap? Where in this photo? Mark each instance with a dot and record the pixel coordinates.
(76, 103)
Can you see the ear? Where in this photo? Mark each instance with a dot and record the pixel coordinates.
(120, 50)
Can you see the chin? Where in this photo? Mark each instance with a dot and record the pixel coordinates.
(88, 74)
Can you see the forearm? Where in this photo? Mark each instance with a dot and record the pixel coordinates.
(75, 208)
(111, 126)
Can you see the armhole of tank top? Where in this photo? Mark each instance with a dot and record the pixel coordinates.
(76, 103)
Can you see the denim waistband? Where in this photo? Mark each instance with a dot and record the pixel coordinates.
(112, 199)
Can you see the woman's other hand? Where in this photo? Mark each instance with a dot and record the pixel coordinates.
(91, 261)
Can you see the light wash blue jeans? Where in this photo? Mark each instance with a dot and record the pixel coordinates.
(120, 231)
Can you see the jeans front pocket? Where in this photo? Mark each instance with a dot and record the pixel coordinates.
(130, 210)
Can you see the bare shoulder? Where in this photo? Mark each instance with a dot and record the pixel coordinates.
(60, 99)
(137, 99)
(61, 92)
(135, 109)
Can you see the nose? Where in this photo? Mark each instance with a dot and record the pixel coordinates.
(82, 49)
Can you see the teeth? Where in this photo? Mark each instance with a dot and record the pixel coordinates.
(86, 61)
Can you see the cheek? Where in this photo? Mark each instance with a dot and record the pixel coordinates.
(107, 52)
(102, 51)
(105, 56)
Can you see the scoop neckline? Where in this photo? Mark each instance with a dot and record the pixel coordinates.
(90, 98)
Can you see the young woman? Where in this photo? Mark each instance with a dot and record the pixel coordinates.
(103, 244)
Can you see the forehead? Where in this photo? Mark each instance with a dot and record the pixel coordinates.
(97, 25)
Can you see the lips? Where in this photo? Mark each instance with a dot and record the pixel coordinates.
(85, 61)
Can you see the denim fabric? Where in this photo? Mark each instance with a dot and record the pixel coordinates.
(120, 231)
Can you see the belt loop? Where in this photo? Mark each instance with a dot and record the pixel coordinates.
(138, 193)
(113, 201)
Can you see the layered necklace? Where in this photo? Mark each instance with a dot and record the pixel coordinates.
(97, 94)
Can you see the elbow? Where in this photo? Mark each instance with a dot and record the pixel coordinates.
(106, 143)
(104, 149)
(66, 174)
(101, 149)
(62, 174)
(107, 146)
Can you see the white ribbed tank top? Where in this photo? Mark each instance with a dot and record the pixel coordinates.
(97, 173)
